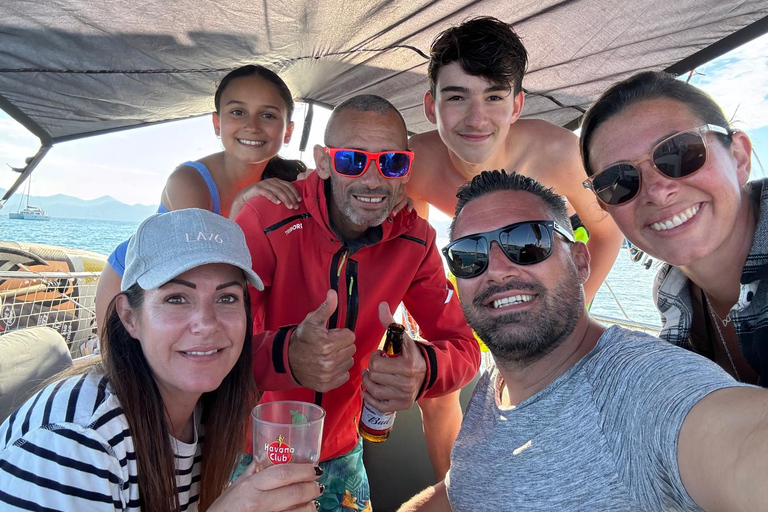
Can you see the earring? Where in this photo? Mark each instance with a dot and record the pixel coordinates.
(285, 145)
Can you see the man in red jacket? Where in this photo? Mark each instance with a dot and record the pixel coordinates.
(334, 269)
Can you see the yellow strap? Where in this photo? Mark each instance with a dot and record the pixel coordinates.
(341, 264)
(580, 234)
(452, 279)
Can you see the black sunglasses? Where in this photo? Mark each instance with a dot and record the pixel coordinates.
(524, 243)
(677, 156)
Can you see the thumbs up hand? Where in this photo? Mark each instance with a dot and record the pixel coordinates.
(393, 383)
(320, 358)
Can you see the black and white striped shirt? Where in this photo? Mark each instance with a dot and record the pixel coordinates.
(69, 448)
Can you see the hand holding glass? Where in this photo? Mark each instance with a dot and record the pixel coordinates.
(287, 431)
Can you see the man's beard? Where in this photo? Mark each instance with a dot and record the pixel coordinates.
(344, 202)
(523, 337)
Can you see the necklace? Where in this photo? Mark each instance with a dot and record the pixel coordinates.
(720, 333)
(725, 320)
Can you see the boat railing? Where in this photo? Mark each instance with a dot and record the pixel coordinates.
(627, 323)
(625, 320)
(64, 301)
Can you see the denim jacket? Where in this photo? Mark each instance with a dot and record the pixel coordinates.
(750, 313)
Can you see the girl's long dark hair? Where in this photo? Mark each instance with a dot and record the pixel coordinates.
(224, 414)
(261, 72)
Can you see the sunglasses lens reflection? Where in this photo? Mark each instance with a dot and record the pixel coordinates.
(350, 163)
(526, 244)
(394, 165)
(617, 184)
(681, 155)
(468, 257)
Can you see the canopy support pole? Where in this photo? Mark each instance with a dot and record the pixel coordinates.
(307, 127)
(31, 164)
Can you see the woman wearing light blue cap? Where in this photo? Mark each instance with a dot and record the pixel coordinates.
(157, 423)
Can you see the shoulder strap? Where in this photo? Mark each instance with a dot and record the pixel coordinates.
(212, 189)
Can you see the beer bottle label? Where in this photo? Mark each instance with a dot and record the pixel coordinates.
(375, 421)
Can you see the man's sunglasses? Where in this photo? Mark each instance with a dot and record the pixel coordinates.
(677, 156)
(354, 162)
(524, 243)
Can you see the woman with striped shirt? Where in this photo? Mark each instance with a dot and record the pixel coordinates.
(158, 422)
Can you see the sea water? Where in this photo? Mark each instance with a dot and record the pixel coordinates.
(628, 286)
(100, 236)
(627, 292)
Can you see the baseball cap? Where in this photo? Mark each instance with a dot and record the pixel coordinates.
(168, 244)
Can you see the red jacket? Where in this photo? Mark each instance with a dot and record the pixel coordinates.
(299, 258)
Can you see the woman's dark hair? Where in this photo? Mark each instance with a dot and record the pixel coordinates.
(483, 46)
(285, 169)
(645, 86)
(261, 72)
(224, 413)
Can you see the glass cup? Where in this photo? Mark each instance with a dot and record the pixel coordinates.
(287, 431)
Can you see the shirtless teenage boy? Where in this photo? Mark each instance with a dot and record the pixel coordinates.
(475, 98)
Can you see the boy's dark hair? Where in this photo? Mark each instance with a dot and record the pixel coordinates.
(646, 86)
(488, 182)
(483, 46)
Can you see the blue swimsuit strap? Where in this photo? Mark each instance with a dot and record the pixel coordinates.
(117, 258)
(212, 189)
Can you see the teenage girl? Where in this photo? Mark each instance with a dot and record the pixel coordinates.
(253, 119)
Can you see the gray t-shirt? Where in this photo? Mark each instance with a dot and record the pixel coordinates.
(601, 437)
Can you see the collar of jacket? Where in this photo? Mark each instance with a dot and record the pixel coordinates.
(315, 201)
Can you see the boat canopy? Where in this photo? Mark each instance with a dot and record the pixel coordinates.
(76, 68)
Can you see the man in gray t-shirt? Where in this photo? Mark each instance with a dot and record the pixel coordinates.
(573, 416)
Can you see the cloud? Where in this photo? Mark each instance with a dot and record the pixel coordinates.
(739, 83)
(130, 166)
(13, 153)
(63, 173)
(13, 130)
(16, 143)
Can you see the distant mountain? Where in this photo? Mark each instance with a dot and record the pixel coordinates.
(109, 208)
(101, 208)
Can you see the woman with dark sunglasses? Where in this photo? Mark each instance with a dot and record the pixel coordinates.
(665, 164)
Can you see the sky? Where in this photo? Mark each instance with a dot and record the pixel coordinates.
(132, 165)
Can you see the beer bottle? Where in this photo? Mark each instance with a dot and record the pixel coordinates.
(375, 425)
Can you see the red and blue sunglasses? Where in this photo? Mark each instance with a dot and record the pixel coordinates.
(354, 162)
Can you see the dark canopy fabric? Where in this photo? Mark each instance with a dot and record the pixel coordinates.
(74, 68)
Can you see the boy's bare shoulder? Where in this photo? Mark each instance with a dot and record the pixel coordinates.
(544, 150)
(427, 143)
(544, 132)
(429, 155)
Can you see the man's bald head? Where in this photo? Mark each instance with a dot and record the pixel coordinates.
(360, 103)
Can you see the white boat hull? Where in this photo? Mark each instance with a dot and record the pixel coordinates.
(28, 216)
